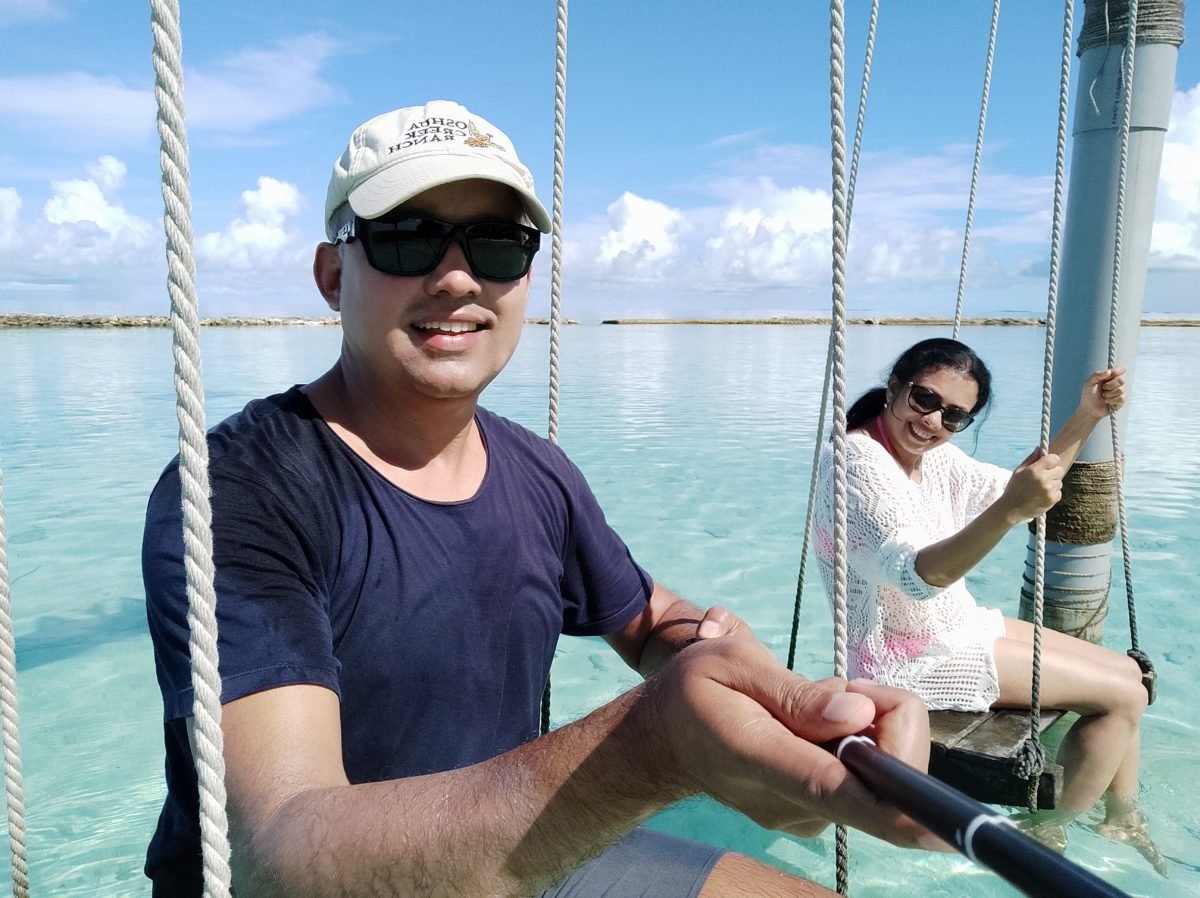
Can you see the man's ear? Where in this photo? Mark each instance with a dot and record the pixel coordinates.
(327, 272)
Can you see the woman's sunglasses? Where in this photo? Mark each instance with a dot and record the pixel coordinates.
(495, 251)
(926, 401)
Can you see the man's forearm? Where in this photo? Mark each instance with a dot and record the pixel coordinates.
(675, 629)
(512, 825)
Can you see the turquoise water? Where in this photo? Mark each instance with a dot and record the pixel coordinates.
(698, 441)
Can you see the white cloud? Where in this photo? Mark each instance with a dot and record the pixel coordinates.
(84, 242)
(1176, 238)
(241, 93)
(108, 172)
(644, 238)
(10, 208)
(260, 237)
(71, 105)
(779, 236)
(85, 217)
(27, 11)
(254, 88)
(90, 253)
(769, 226)
(767, 230)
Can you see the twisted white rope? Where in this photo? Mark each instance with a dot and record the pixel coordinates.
(560, 139)
(868, 57)
(1034, 761)
(1118, 458)
(14, 790)
(837, 120)
(860, 123)
(987, 87)
(193, 447)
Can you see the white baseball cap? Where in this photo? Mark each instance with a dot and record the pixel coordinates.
(402, 153)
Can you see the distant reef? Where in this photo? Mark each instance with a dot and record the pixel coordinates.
(96, 321)
(908, 321)
(888, 321)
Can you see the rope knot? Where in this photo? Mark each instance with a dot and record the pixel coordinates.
(1030, 759)
(1149, 676)
(1142, 659)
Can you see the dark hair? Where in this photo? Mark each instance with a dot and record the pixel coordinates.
(928, 355)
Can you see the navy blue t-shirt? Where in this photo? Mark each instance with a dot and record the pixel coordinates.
(434, 622)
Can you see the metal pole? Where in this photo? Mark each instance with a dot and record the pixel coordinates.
(1081, 527)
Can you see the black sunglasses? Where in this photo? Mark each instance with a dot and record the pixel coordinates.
(495, 251)
(926, 401)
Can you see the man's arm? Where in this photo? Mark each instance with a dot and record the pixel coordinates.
(721, 717)
(510, 826)
(666, 624)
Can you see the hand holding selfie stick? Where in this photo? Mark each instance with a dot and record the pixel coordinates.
(985, 837)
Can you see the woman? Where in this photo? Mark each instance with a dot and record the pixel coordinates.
(921, 514)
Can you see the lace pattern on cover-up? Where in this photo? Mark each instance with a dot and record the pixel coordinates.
(901, 630)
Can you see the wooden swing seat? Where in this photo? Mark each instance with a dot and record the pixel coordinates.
(976, 753)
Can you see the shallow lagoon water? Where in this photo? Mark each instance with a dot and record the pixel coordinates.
(698, 441)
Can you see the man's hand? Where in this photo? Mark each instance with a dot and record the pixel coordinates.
(718, 621)
(734, 723)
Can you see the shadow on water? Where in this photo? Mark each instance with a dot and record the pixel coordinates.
(58, 637)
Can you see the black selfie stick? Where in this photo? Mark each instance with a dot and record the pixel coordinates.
(981, 834)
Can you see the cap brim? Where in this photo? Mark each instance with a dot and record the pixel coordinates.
(399, 183)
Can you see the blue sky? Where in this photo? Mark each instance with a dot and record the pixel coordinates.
(697, 151)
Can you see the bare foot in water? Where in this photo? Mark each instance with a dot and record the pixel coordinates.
(1124, 822)
(1052, 835)
(1048, 827)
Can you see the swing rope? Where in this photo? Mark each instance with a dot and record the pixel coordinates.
(560, 139)
(14, 790)
(193, 447)
(987, 88)
(1031, 757)
(837, 118)
(868, 57)
(1128, 53)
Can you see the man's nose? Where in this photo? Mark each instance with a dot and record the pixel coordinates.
(453, 272)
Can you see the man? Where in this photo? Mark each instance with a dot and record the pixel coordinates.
(394, 567)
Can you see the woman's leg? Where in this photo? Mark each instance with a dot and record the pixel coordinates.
(1064, 660)
(1101, 750)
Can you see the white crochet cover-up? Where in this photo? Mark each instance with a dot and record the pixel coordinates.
(902, 631)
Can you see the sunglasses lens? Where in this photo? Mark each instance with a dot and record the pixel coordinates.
(409, 246)
(924, 400)
(955, 420)
(501, 251)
